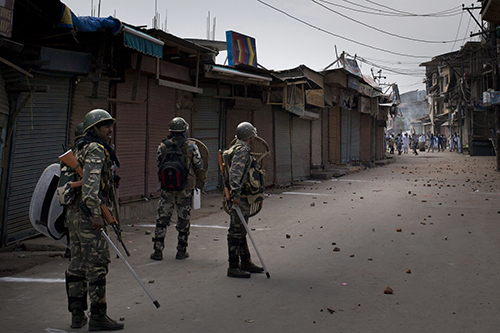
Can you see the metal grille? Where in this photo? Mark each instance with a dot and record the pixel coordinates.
(345, 142)
(283, 148)
(355, 135)
(131, 138)
(366, 137)
(40, 132)
(205, 128)
(301, 149)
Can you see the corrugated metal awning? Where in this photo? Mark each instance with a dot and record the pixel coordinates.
(226, 72)
(142, 42)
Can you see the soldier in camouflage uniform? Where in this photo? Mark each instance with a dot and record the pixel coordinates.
(181, 200)
(240, 159)
(89, 250)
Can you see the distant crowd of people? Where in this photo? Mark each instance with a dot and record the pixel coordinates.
(418, 142)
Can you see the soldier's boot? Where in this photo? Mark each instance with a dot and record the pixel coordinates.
(78, 319)
(246, 262)
(234, 269)
(76, 289)
(158, 245)
(182, 243)
(99, 321)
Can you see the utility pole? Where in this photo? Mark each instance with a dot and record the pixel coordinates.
(494, 55)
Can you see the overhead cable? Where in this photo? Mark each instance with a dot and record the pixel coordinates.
(402, 12)
(386, 32)
(446, 13)
(378, 12)
(342, 37)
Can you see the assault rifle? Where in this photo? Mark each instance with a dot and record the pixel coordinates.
(69, 159)
(228, 202)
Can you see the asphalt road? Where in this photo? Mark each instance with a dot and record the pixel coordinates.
(426, 226)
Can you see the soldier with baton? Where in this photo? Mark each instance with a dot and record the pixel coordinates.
(89, 249)
(244, 186)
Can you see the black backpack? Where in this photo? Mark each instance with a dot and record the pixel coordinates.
(173, 171)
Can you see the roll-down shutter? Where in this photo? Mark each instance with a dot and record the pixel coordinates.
(205, 127)
(40, 132)
(301, 148)
(283, 154)
(130, 136)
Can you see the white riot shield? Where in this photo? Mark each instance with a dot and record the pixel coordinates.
(46, 213)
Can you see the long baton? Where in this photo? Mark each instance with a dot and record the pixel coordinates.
(155, 302)
(240, 215)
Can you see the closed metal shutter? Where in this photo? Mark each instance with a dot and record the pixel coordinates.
(301, 148)
(355, 136)
(40, 131)
(325, 135)
(205, 127)
(380, 146)
(334, 135)
(160, 111)
(345, 141)
(4, 116)
(366, 137)
(263, 120)
(130, 138)
(283, 148)
(316, 141)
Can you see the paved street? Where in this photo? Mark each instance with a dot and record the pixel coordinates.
(427, 226)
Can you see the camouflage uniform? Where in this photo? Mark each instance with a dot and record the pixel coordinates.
(89, 249)
(240, 159)
(181, 200)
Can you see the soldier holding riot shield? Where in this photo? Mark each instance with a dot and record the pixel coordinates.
(89, 250)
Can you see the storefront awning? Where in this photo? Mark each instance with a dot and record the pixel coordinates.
(220, 72)
(142, 42)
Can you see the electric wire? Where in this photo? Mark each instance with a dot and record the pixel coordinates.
(386, 32)
(458, 30)
(407, 72)
(387, 14)
(445, 13)
(339, 36)
(399, 11)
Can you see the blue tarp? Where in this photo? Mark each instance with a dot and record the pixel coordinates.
(132, 38)
(91, 24)
(88, 23)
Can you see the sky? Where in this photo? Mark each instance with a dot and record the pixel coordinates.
(394, 36)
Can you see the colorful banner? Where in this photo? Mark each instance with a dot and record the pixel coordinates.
(351, 66)
(240, 49)
(6, 13)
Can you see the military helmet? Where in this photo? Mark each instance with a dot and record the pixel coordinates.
(96, 117)
(178, 124)
(245, 130)
(79, 131)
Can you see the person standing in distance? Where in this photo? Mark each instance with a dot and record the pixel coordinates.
(240, 160)
(173, 196)
(89, 249)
